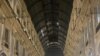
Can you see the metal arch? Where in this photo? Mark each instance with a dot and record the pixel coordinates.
(41, 27)
(50, 31)
(59, 46)
(62, 34)
(60, 21)
(47, 36)
(62, 27)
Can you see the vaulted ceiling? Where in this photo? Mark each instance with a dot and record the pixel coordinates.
(51, 20)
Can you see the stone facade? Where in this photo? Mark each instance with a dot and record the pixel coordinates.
(83, 38)
(17, 34)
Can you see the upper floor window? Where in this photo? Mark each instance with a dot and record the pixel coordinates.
(98, 15)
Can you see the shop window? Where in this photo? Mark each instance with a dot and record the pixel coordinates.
(90, 53)
(17, 12)
(98, 15)
(80, 52)
(97, 18)
(86, 36)
(0, 31)
(16, 48)
(91, 28)
(23, 52)
(87, 43)
(99, 48)
(6, 38)
(98, 27)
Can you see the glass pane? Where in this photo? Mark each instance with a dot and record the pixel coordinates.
(98, 14)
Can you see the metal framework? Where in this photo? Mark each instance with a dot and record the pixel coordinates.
(51, 19)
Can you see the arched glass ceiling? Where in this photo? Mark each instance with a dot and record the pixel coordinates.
(51, 19)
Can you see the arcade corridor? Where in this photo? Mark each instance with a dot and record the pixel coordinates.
(49, 28)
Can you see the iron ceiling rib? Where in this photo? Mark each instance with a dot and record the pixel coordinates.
(45, 33)
(43, 19)
(40, 26)
(60, 30)
(43, 11)
(34, 3)
(37, 1)
(61, 21)
(52, 45)
(46, 36)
